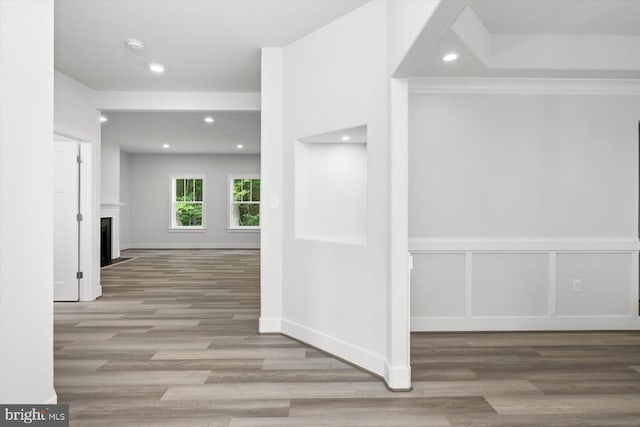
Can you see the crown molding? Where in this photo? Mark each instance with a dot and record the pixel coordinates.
(524, 86)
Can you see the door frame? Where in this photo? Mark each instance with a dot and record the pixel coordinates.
(89, 286)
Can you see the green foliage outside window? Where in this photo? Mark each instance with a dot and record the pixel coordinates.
(246, 214)
(189, 212)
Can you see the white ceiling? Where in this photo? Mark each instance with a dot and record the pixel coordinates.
(206, 45)
(185, 132)
(540, 38)
(559, 17)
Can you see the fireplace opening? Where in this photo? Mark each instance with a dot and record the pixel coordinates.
(105, 242)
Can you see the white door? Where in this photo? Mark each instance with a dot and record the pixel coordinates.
(66, 231)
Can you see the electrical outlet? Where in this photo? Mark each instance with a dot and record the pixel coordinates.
(577, 286)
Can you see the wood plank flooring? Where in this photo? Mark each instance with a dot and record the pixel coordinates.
(173, 342)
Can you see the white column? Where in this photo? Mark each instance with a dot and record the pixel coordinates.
(26, 202)
(398, 370)
(271, 189)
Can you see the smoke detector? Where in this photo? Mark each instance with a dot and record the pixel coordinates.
(134, 44)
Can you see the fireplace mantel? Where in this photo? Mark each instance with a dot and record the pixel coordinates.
(112, 210)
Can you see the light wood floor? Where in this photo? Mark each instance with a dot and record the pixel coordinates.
(173, 342)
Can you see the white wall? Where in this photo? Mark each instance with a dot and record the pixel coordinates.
(514, 196)
(331, 192)
(26, 162)
(271, 187)
(125, 199)
(75, 116)
(335, 295)
(150, 200)
(110, 173)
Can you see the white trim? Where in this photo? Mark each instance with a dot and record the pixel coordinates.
(193, 229)
(243, 230)
(551, 320)
(418, 245)
(397, 377)
(342, 349)
(528, 323)
(112, 210)
(230, 202)
(125, 246)
(524, 86)
(52, 400)
(269, 325)
(90, 287)
(194, 245)
(176, 101)
(397, 371)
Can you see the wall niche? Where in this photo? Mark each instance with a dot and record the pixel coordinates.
(331, 186)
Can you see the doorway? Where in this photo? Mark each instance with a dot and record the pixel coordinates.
(70, 195)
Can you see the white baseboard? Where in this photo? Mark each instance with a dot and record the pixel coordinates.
(194, 246)
(52, 400)
(342, 349)
(397, 377)
(270, 325)
(559, 323)
(125, 246)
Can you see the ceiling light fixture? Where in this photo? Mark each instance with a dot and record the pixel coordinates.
(165, 146)
(156, 68)
(345, 138)
(103, 119)
(450, 57)
(209, 119)
(239, 146)
(134, 44)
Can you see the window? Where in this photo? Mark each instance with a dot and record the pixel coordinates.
(244, 202)
(187, 206)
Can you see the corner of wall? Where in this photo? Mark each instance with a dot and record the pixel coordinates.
(270, 325)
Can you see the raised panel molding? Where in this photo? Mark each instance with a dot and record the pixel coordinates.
(436, 244)
(523, 86)
(620, 256)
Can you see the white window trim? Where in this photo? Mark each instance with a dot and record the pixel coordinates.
(173, 227)
(234, 228)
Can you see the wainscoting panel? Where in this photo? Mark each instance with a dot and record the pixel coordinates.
(604, 279)
(510, 284)
(438, 285)
(519, 284)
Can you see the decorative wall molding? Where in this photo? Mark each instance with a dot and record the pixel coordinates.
(194, 245)
(433, 244)
(532, 323)
(523, 86)
(623, 317)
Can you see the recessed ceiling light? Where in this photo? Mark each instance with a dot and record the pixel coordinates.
(239, 146)
(209, 119)
(103, 119)
(449, 57)
(156, 68)
(134, 44)
(165, 146)
(346, 138)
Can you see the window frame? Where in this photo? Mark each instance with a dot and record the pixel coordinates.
(231, 202)
(172, 220)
